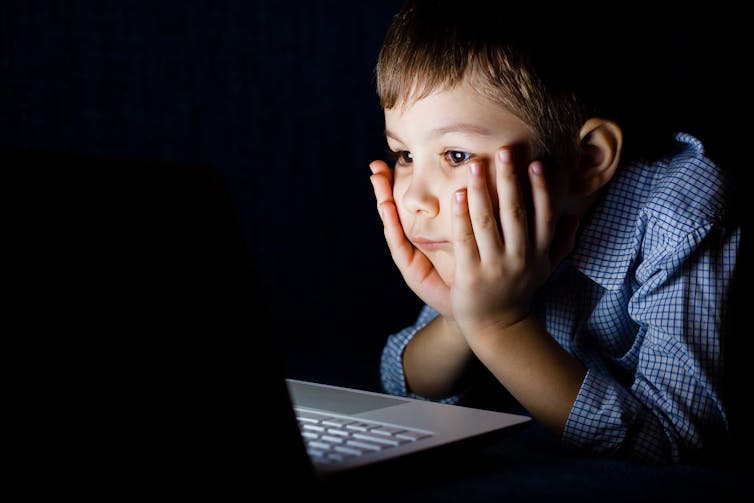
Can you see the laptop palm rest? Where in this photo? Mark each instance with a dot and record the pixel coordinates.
(337, 400)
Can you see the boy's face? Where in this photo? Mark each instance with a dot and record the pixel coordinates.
(434, 139)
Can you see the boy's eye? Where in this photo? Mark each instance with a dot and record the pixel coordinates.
(403, 157)
(457, 157)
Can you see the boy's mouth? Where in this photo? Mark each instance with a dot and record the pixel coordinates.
(429, 244)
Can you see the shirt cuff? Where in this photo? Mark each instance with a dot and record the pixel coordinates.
(600, 417)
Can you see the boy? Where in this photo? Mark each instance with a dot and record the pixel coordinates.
(591, 283)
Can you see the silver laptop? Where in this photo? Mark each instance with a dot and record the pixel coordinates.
(345, 428)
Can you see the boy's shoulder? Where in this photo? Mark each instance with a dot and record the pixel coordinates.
(680, 190)
(653, 206)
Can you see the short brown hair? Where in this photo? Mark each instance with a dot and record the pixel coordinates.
(433, 45)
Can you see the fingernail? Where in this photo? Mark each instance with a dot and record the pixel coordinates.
(460, 196)
(372, 168)
(505, 155)
(476, 168)
(537, 168)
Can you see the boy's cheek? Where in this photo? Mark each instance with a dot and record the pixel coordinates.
(403, 214)
(398, 196)
(400, 183)
(445, 266)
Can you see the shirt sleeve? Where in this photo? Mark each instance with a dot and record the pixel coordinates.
(672, 407)
(391, 363)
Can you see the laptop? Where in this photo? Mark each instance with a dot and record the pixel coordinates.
(346, 428)
(141, 368)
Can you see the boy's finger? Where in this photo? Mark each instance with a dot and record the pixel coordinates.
(382, 181)
(383, 190)
(483, 221)
(464, 242)
(513, 218)
(378, 166)
(542, 202)
(400, 247)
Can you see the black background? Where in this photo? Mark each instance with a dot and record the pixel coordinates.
(279, 97)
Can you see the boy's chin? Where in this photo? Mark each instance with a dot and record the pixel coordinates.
(443, 265)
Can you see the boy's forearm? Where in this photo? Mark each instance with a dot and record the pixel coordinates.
(534, 368)
(436, 359)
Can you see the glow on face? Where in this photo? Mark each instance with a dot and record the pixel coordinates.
(433, 140)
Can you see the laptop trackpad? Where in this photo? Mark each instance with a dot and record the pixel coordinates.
(337, 400)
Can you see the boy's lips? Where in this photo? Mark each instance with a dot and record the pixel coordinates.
(429, 244)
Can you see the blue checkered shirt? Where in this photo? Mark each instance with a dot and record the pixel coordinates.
(640, 302)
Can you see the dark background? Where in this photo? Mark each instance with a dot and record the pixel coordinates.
(279, 97)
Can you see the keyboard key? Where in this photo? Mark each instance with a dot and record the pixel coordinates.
(314, 427)
(348, 450)
(337, 422)
(378, 440)
(307, 419)
(360, 426)
(364, 445)
(412, 436)
(331, 439)
(387, 430)
(316, 444)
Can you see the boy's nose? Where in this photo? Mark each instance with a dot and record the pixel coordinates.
(419, 196)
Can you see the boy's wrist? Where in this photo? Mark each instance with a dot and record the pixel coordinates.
(451, 326)
(495, 331)
(453, 334)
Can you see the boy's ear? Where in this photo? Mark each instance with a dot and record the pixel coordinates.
(600, 142)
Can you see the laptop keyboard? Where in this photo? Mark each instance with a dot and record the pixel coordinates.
(331, 439)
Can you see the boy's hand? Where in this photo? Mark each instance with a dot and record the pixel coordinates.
(497, 274)
(416, 269)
